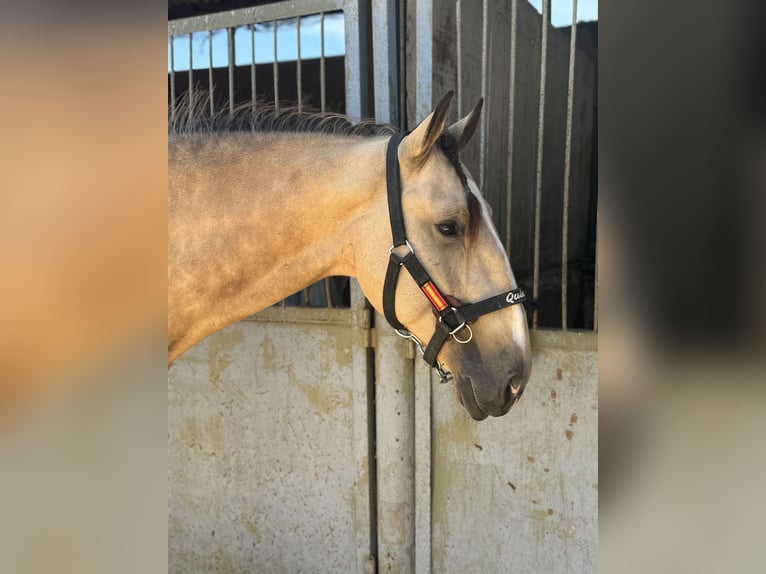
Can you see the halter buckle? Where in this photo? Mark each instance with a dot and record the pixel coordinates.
(444, 375)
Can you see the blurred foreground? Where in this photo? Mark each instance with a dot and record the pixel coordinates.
(82, 289)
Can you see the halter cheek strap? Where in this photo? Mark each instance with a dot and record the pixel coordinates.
(452, 320)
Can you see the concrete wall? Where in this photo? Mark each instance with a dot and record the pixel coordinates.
(269, 465)
(520, 493)
(268, 447)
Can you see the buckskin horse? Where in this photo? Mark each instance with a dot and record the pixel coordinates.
(262, 208)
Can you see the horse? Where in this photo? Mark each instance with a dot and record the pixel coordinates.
(259, 212)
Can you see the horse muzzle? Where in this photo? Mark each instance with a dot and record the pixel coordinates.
(483, 399)
(480, 409)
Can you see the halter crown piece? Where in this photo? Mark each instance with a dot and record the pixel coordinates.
(452, 321)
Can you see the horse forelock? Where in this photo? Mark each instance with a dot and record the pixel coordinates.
(192, 116)
(448, 145)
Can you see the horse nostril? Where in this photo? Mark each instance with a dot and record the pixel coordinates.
(508, 396)
(515, 385)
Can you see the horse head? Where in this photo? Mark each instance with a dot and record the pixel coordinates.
(449, 231)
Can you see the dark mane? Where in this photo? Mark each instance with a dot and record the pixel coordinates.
(192, 116)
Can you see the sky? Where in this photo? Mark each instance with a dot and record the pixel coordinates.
(287, 38)
(561, 11)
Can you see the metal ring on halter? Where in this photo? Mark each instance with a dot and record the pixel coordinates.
(458, 328)
(406, 242)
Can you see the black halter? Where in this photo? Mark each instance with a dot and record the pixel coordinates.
(451, 319)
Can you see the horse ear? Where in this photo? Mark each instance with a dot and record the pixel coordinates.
(417, 145)
(462, 130)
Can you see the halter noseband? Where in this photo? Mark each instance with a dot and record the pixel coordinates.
(451, 319)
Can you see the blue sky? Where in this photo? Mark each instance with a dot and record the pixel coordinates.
(561, 11)
(287, 38)
(287, 43)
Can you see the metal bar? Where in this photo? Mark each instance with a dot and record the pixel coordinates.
(190, 95)
(172, 79)
(298, 66)
(263, 13)
(210, 71)
(295, 315)
(230, 42)
(511, 117)
(402, 63)
(459, 41)
(276, 68)
(253, 91)
(424, 44)
(539, 167)
(328, 292)
(484, 118)
(567, 171)
(356, 24)
(322, 94)
(384, 60)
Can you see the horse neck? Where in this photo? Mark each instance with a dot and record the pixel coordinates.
(253, 219)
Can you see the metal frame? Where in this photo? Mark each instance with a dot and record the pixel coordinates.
(356, 90)
(424, 12)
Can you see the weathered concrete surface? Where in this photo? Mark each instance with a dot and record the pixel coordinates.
(265, 472)
(268, 460)
(520, 493)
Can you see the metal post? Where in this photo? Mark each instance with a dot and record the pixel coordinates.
(384, 60)
(484, 118)
(276, 68)
(511, 115)
(298, 79)
(567, 170)
(253, 92)
(424, 100)
(539, 167)
(355, 22)
(210, 71)
(230, 42)
(459, 41)
(190, 94)
(322, 96)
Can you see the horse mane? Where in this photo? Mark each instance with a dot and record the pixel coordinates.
(192, 116)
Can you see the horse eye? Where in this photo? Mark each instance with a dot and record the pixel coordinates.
(447, 228)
